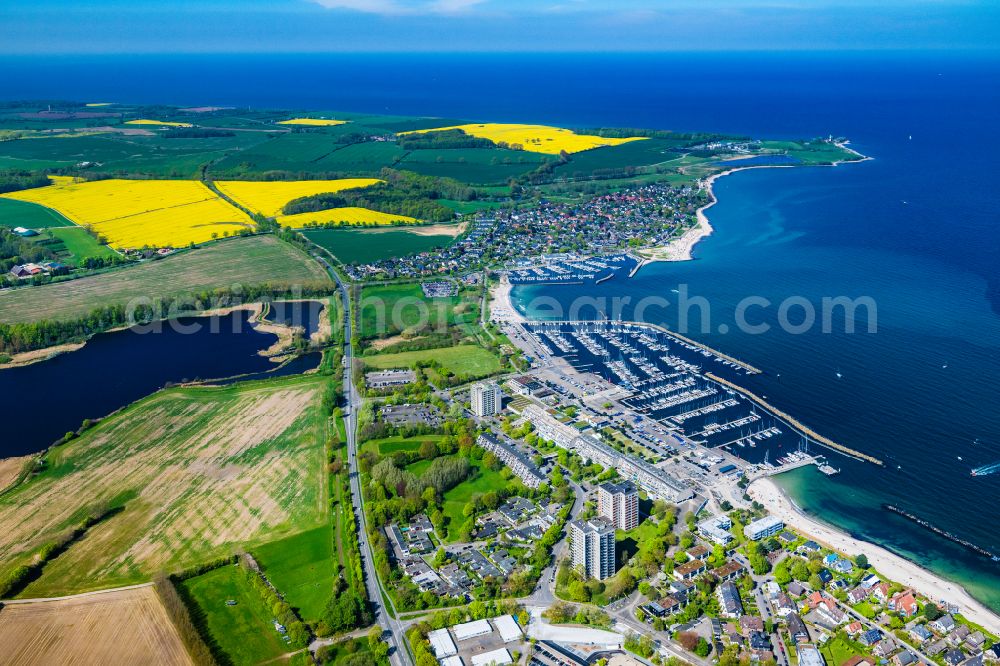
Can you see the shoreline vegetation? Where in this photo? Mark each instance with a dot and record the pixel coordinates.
(893, 566)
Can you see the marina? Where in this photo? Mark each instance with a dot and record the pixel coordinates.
(571, 269)
(685, 388)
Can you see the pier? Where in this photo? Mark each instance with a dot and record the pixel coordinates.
(808, 432)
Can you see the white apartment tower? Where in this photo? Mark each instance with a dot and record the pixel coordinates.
(594, 547)
(619, 503)
(487, 399)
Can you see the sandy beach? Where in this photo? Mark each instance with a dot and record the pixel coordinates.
(888, 564)
(501, 307)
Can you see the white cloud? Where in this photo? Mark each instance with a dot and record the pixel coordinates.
(402, 7)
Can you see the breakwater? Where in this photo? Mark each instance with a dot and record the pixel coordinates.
(804, 429)
(940, 532)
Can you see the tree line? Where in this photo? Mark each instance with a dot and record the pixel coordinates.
(27, 336)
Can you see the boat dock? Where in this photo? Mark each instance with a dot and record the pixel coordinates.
(805, 430)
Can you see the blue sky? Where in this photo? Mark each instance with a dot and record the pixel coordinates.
(200, 26)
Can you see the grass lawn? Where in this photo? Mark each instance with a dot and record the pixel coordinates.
(80, 244)
(244, 632)
(838, 649)
(389, 445)
(30, 216)
(866, 610)
(389, 309)
(303, 568)
(419, 467)
(468, 361)
(252, 260)
(455, 499)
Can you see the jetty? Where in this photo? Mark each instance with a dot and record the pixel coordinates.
(750, 370)
(804, 429)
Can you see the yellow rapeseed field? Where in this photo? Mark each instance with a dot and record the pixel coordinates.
(269, 197)
(136, 213)
(62, 180)
(163, 123)
(347, 215)
(311, 121)
(533, 138)
(99, 104)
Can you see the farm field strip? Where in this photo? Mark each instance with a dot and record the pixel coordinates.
(134, 213)
(200, 470)
(220, 264)
(269, 197)
(317, 122)
(119, 627)
(351, 215)
(533, 138)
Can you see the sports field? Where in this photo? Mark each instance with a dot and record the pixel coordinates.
(198, 472)
(353, 246)
(253, 260)
(533, 138)
(121, 627)
(138, 213)
(269, 197)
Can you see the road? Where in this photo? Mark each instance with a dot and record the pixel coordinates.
(391, 627)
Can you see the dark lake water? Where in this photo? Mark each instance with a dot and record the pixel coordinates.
(45, 400)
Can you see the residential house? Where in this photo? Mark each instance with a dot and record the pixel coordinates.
(795, 589)
(954, 657)
(783, 605)
(904, 658)
(758, 640)
(870, 637)
(698, 552)
(810, 656)
(920, 633)
(884, 648)
(975, 641)
(855, 628)
(904, 603)
(936, 648)
(843, 566)
(992, 653)
(728, 571)
(944, 624)
(870, 581)
(858, 594)
(859, 660)
(690, 570)
(958, 635)
(797, 628)
(881, 592)
(730, 604)
(750, 624)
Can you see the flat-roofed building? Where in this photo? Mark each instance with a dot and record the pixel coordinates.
(763, 528)
(619, 503)
(487, 399)
(494, 657)
(508, 627)
(594, 547)
(468, 630)
(507, 452)
(441, 643)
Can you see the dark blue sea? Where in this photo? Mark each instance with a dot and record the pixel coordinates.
(917, 229)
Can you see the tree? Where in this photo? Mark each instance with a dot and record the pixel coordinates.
(688, 640)
(931, 612)
(428, 450)
(440, 558)
(702, 649)
(862, 561)
(815, 582)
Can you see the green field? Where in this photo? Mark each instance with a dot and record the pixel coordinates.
(254, 260)
(389, 445)
(362, 247)
(455, 499)
(244, 632)
(839, 649)
(302, 566)
(389, 309)
(361, 158)
(80, 244)
(473, 165)
(633, 153)
(197, 472)
(468, 361)
(30, 216)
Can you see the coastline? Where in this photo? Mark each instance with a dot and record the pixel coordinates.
(894, 567)
(681, 249)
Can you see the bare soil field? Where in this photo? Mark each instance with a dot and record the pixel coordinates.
(10, 470)
(198, 472)
(119, 627)
(246, 261)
